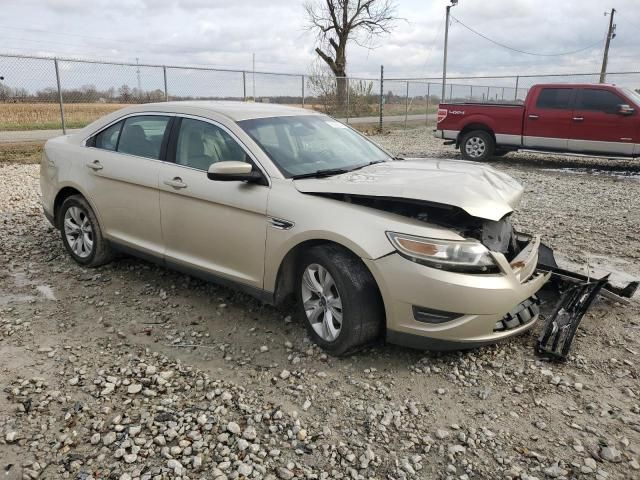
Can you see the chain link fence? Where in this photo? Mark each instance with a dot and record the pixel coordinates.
(40, 93)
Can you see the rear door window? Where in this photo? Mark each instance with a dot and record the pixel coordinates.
(599, 100)
(555, 98)
(143, 135)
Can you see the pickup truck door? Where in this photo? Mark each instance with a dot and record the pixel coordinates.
(599, 127)
(548, 118)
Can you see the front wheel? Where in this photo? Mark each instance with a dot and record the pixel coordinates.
(338, 299)
(477, 145)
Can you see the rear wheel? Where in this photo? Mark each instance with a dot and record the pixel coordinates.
(500, 153)
(81, 233)
(477, 145)
(338, 299)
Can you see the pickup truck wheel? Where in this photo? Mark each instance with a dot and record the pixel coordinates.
(338, 300)
(477, 145)
(500, 153)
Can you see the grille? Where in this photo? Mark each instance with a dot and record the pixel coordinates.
(522, 314)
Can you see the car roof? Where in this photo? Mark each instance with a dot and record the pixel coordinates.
(236, 111)
(576, 85)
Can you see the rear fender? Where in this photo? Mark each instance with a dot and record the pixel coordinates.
(477, 122)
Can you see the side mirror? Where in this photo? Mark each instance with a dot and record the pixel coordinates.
(233, 171)
(625, 109)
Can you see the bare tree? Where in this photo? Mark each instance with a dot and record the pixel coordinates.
(337, 22)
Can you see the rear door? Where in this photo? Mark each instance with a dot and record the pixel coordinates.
(122, 179)
(549, 118)
(218, 227)
(598, 125)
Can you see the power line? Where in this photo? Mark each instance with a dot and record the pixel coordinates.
(523, 51)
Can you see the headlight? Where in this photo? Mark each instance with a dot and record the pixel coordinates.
(457, 256)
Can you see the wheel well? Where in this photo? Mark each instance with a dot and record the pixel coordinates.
(474, 126)
(62, 195)
(285, 280)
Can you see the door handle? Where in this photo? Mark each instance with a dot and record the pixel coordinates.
(95, 165)
(175, 183)
(534, 117)
(578, 119)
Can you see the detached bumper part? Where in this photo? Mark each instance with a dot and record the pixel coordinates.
(577, 293)
(561, 326)
(522, 314)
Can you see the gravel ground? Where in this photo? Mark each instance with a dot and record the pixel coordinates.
(133, 371)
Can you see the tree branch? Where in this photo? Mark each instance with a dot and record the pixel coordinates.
(328, 60)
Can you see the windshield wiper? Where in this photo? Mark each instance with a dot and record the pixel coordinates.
(327, 172)
(366, 165)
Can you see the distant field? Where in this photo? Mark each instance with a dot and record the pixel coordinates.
(46, 116)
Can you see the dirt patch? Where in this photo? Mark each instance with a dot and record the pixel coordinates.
(20, 152)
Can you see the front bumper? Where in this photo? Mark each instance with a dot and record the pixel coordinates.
(487, 308)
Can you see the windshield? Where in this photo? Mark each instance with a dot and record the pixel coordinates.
(633, 95)
(302, 145)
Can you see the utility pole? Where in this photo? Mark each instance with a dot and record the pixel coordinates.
(610, 36)
(446, 41)
(253, 77)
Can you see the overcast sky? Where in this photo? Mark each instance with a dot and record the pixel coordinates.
(225, 33)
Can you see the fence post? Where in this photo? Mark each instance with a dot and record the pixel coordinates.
(426, 121)
(450, 92)
(64, 127)
(502, 93)
(302, 77)
(244, 86)
(348, 99)
(166, 90)
(381, 95)
(471, 97)
(517, 81)
(406, 106)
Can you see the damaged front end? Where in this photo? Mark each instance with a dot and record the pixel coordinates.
(570, 292)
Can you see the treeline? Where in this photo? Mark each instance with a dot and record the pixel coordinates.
(123, 94)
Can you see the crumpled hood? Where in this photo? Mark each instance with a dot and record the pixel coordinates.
(479, 190)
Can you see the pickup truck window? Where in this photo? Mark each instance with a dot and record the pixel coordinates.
(599, 100)
(633, 95)
(557, 98)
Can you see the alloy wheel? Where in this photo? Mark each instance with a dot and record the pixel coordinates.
(475, 147)
(322, 302)
(78, 231)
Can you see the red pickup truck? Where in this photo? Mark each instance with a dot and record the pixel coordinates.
(587, 119)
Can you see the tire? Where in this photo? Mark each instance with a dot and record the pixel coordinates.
(358, 300)
(76, 220)
(477, 145)
(500, 153)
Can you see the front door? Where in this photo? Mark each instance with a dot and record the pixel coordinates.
(122, 178)
(548, 119)
(598, 125)
(214, 226)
